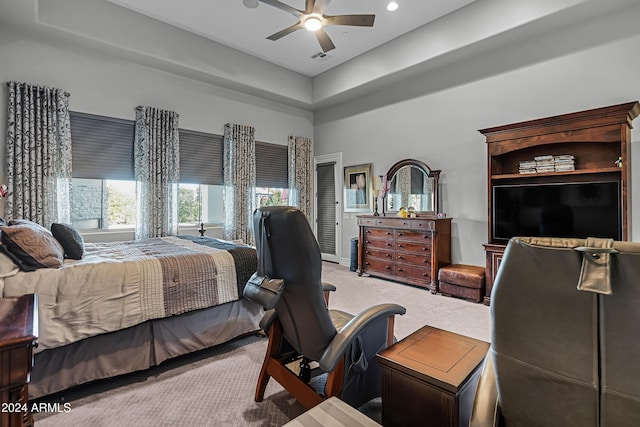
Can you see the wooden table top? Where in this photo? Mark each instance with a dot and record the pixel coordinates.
(18, 318)
(441, 358)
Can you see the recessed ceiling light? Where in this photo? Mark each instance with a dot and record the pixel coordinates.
(251, 4)
(313, 24)
(392, 6)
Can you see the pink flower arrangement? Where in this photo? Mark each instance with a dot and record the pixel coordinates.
(385, 186)
(4, 190)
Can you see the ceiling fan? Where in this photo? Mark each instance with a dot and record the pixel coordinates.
(313, 19)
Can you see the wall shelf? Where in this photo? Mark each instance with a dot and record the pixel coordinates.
(596, 138)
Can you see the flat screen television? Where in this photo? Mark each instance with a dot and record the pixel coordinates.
(579, 210)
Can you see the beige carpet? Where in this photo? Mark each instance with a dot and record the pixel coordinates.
(215, 387)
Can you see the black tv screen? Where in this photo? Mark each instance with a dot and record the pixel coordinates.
(580, 210)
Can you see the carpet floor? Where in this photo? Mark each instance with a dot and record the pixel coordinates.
(215, 387)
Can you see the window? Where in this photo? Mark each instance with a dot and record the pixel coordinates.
(103, 204)
(272, 196)
(271, 174)
(103, 192)
(200, 203)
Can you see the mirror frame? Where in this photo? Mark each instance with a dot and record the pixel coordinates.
(435, 174)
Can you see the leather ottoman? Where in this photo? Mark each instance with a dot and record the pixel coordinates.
(463, 281)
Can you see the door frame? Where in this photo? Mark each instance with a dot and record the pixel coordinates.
(335, 158)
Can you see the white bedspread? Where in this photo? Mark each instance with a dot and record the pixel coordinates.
(115, 286)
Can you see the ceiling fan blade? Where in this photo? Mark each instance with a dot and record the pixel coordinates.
(353, 20)
(279, 5)
(325, 42)
(308, 7)
(286, 31)
(320, 6)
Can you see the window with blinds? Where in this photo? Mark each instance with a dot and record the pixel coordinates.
(201, 158)
(271, 174)
(102, 147)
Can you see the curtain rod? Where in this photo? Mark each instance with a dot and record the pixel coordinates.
(40, 87)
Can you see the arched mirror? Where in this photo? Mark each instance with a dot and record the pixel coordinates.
(412, 184)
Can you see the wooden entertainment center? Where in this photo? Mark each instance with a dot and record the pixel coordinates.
(599, 139)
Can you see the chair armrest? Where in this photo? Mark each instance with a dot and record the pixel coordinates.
(486, 406)
(334, 352)
(267, 319)
(328, 287)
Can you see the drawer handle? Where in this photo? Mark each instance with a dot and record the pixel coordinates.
(367, 241)
(400, 257)
(388, 244)
(400, 245)
(388, 233)
(425, 249)
(368, 231)
(400, 234)
(366, 263)
(400, 269)
(426, 261)
(367, 252)
(425, 274)
(388, 267)
(387, 255)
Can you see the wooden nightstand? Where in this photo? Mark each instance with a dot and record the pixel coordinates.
(18, 337)
(429, 378)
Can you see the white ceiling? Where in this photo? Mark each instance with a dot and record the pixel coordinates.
(423, 47)
(246, 29)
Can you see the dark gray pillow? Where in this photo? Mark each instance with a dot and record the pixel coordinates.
(70, 239)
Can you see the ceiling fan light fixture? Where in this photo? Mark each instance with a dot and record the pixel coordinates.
(392, 6)
(312, 23)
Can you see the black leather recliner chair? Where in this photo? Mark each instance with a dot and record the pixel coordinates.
(565, 347)
(306, 339)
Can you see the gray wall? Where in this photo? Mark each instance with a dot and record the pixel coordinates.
(441, 128)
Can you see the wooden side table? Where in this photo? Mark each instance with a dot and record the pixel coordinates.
(18, 337)
(430, 378)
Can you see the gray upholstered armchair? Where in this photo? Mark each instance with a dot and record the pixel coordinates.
(565, 349)
(305, 337)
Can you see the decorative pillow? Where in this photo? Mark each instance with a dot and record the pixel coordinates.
(32, 245)
(70, 239)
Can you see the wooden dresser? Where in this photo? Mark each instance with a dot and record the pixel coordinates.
(408, 250)
(18, 337)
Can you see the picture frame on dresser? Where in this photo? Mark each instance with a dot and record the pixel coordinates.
(358, 188)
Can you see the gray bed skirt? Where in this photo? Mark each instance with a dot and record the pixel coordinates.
(140, 347)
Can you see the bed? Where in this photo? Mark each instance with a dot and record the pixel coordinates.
(127, 306)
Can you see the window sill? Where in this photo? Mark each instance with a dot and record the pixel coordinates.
(116, 235)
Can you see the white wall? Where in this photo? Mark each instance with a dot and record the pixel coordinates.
(441, 129)
(100, 84)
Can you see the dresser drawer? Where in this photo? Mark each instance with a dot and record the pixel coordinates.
(420, 260)
(367, 221)
(394, 222)
(379, 244)
(424, 224)
(378, 233)
(421, 248)
(420, 274)
(386, 254)
(372, 265)
(414, 236)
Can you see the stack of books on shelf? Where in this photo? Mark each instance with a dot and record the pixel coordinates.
(527, 166)
(564, 163)
(548, 163)
(545, 164)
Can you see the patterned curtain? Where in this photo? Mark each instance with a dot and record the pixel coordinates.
(38, 152)
(239, 182)
(301, 175)
(157, 172)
